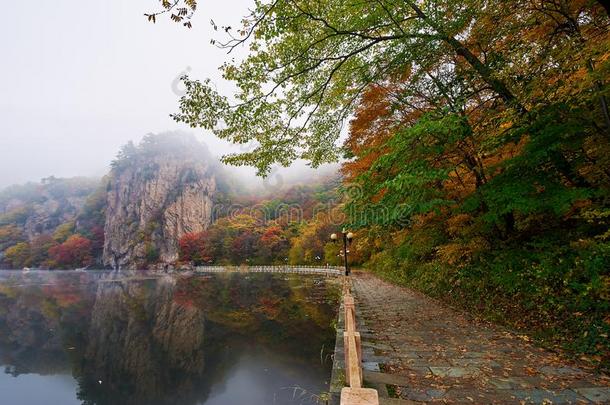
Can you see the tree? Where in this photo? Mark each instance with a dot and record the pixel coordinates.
(10, 235)
(317, 79)
(313, 245)
(19, 255)
(195, 248)
(295, 91)
(73, 253)
(40, 248)
(273, 245)
(63, 231)
(473, 196)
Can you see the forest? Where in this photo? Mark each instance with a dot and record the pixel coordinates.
(477, 162)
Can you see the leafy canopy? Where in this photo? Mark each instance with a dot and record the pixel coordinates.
(309, 64)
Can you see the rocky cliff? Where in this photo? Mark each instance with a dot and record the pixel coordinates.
(158, 191)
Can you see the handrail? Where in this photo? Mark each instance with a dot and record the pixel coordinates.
(354, 394)
(331, 270)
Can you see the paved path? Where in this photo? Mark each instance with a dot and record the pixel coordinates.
(424, 352)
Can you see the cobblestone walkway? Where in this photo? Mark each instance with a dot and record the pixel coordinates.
(419, 351)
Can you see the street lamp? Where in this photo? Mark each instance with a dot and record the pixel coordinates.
(347, 239)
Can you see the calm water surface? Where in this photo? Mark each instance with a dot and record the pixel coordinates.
(115, 338)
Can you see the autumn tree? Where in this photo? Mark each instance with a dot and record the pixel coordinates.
(474, 195)
(273, 245)
(195, 248)
(10, 235)
(18, 256)
(75, 252)
(40, 248)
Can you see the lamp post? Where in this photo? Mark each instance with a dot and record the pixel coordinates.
(347, 239)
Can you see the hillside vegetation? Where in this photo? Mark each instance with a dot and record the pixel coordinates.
(478, 154)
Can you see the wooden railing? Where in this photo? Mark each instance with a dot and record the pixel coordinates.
(354, 393)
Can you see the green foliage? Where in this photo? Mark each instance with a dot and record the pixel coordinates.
(305, 73)
(151, 253)
(10, 235)
(18, 256)
(64, 231)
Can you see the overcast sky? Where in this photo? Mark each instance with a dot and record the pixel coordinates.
(79, 79)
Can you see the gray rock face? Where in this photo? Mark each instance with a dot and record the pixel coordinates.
(151, 205)
(46, 216)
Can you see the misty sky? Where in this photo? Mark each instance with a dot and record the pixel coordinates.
(79, 79)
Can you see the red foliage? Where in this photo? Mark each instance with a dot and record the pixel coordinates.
(272, 243)
(244, 245)
(194, 247)
(74, 252)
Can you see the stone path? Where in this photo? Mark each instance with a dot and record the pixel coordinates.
(418, 351)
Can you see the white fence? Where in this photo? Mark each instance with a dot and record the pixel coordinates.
(331, 270)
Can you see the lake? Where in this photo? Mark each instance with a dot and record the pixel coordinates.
(138, 338)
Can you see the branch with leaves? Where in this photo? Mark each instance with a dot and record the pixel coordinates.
(180, 11)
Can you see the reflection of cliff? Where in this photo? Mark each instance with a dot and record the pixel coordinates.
(142, 345)
(138, 339)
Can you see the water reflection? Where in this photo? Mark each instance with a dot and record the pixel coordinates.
(142, 339)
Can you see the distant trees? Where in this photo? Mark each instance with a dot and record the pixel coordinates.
(75, 252)
(242, 239)
(312, 244)
(40, 217)
(40, 248)
(195, 248)
(153, 145)
(18, 256)
(61, 250)
(264, 231)
(10, 235)
(273, 244)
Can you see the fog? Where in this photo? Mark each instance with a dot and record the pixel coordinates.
(77, 82)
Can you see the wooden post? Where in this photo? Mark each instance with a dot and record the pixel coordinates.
(353, 369)
(359, 396)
